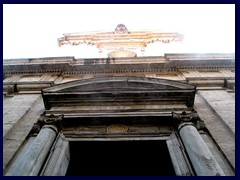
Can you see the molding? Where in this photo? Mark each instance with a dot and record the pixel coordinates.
(58, 69)
(128, 82)
(118, 90)
(120, 37)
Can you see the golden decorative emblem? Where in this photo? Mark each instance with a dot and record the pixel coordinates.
(117, 128)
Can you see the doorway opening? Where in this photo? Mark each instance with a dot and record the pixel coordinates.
(120, 158)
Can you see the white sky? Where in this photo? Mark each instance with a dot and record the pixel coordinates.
(31, 31)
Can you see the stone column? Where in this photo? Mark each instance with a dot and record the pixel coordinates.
(33, 159)
(200, 156)
(58, 161)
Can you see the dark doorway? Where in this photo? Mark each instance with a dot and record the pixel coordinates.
(116, 158)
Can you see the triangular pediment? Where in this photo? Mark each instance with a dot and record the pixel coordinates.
(118, 90)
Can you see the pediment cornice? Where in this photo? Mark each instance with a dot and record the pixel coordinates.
(103, 84)
(118, 90)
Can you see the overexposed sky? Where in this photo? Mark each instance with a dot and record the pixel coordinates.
(31, 31)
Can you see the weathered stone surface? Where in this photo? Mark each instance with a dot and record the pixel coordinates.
(18, 132)
(223, 136)
(226, 167)
(222, 104)
(15, 109)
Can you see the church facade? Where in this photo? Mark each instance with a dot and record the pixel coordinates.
(125, 114)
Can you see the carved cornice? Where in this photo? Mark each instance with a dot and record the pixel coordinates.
(113, 71)
(121, 37)
(93, 66)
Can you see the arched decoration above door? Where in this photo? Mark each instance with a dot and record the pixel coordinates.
(119, 90)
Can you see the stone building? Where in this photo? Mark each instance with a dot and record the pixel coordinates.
(125, 114)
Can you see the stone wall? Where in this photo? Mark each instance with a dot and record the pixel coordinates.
(20, 112)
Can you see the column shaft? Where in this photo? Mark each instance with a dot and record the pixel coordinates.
(201, 157)
(58, 161)
(32, 160)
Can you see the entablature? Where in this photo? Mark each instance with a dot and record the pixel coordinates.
(116, 65)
